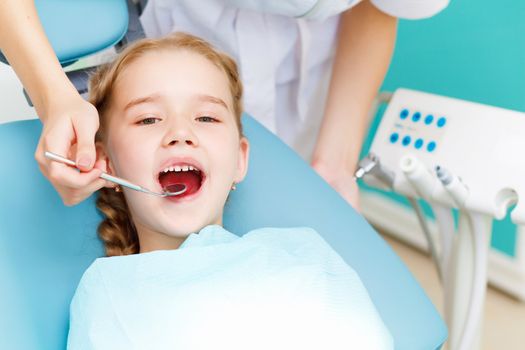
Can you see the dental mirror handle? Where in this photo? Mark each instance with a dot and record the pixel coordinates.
(122, 182)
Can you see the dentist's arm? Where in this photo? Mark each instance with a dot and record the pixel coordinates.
(365, 44)
(70, 123)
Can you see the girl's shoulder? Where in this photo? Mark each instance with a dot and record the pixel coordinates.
(297, 233)
(304, 243)
(107, 270)
(291, 236)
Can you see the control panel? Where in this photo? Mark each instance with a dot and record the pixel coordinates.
(482, 145)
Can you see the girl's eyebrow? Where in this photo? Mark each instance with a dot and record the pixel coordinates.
(140, 100)
(212, 99)
(156, 97)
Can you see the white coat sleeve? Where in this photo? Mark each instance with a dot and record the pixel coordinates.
(93, 322)
(411, 9)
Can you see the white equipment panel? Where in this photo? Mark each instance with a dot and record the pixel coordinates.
(483, 145)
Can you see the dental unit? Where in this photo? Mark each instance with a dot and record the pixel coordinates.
(46, 255)
(438, 149)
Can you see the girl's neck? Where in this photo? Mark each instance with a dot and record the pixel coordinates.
(150, 240)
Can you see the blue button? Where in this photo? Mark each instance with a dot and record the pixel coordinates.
(404, 114)
(406, 140)
(416, 117)
(418, 144)
(441, 122)
(394, 137)
(431, 146)
(429, 119)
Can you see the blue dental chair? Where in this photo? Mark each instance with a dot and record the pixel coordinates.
(45, 247)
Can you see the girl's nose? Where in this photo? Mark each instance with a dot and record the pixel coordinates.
(180, 133)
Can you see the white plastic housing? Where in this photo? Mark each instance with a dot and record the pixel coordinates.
(481, 144)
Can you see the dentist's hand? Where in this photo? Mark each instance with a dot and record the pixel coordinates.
(70, 123)
(69, 130)
(341, 180)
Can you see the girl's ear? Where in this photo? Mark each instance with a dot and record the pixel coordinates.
(103, 162)
(242, 163)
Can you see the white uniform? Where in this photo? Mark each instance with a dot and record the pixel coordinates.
(284, 50)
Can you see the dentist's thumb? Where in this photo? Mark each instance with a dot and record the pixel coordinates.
(85, 129)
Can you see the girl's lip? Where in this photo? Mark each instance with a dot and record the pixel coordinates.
(180, 161)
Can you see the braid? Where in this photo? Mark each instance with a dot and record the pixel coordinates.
(117, 230)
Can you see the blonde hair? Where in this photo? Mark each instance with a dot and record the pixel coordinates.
(117, 230)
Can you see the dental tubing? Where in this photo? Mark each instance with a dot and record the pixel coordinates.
(459, 192)
(372, 165)
(426, 185)
(446, 227)
(426, 231)
(479, 282)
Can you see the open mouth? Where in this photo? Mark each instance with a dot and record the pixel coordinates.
(172, 179)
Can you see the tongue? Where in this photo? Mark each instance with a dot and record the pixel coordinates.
(173, 181)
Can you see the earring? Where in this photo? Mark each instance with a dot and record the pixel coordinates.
(234, 187)
(118, 189)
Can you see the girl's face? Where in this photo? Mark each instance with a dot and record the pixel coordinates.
(172, 109)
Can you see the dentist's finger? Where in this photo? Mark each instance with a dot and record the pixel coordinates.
(85, 130)
(55, 138)
(69, 177)
(78, 195)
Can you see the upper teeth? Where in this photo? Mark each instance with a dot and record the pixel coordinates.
(180, 168)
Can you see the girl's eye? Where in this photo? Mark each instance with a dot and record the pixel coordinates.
(148, 121)
(207, 119)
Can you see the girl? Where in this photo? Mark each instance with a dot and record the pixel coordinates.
(170, 113)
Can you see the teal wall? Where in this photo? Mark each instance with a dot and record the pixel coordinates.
(473, 50)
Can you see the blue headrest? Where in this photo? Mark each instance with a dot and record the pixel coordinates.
(45, 246)
(81, 27)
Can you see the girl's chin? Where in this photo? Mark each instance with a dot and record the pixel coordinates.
(184, 230)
